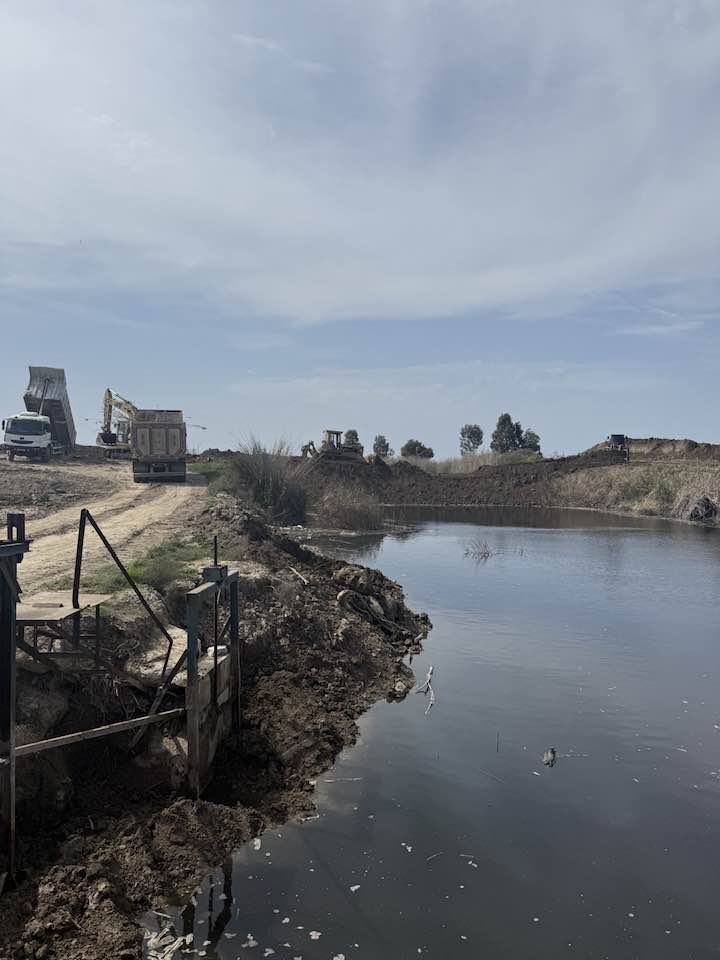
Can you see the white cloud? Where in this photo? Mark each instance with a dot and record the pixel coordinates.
(473, 155)
(259, 43)
(661, 329)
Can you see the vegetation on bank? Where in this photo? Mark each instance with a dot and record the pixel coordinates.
(163, 564)
(472, 462)
(651, 489)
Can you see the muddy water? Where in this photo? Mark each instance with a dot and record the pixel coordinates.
(442, 834)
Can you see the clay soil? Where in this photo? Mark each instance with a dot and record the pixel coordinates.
(110, 839)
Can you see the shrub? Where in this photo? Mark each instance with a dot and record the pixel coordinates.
(272, 480)
(413, 448)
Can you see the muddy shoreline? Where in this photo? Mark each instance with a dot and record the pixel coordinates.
(320, 649)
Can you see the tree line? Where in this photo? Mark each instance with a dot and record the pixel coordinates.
(507, 436)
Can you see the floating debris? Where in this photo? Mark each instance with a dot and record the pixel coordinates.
(315, 934)
(257, 843)
(549, 757)
(354, 888)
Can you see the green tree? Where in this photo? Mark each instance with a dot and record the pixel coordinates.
(509, 435)
(381, 446)
(471, 438)
(351, 437)
(413, 448)
(531, 441)
(505, 436)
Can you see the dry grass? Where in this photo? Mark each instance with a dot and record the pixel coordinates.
(654, 489)
(472, 462)
(271, 479)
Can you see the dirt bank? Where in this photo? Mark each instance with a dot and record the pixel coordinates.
(686, 489)
(323, 641)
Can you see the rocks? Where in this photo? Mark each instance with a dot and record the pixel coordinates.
(704, 510)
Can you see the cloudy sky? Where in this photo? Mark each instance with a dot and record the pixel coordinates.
(395, 215)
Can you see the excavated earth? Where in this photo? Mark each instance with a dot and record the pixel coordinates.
(105, 836)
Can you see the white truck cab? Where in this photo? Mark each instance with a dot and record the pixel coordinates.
(30, 435)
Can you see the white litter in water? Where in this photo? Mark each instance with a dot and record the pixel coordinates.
(315, 934)
(223, 896)
(407, 846)
(257, 843)
(189, 939)
(339, 956)
(276, 910)
(268, 952)
(536, 919)
(286, 920)
(463, 937)
(631, 914)
(268, 854)
(635, 780)
(536, 774)
(471, 863)
(354, 888)
(250, 942)
(206, 943)
(230, 936)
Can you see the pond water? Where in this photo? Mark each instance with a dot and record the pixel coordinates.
(442, 834)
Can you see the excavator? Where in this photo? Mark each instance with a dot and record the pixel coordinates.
(120, 413)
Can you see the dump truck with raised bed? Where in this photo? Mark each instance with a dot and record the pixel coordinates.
(46, 428)
(158, 446)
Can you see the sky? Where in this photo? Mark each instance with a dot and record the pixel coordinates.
(398, 216)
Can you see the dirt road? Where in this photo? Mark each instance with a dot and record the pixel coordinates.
(133, 516)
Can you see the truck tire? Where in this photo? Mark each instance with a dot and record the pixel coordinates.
(11, 455)
(46, 455)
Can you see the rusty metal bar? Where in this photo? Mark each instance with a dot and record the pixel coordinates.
(192, 693)
(29, 749)
(235, 657)
(160, 695)
(153, 616)
(78, 557)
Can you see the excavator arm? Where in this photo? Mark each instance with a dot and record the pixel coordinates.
(112, 402)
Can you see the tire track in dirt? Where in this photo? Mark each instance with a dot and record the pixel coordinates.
(133, 519)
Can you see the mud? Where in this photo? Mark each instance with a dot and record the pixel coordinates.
(323, 641)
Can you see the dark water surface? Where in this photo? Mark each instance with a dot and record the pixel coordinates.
(443, 835)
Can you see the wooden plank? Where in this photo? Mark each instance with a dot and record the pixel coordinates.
(28, 749)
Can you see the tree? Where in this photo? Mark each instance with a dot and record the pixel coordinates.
(509, 435)
(351, 437)
(504, 438)
(413, 448)
(381, 446)
(471, 438)
(531, 441)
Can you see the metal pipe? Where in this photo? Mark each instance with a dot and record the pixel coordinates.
(78, 557)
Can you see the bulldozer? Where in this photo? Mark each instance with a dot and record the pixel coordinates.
(332, 447)
(118, 413)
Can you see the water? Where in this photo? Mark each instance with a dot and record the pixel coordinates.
(442, 834)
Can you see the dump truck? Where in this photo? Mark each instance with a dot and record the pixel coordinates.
(158, 446)
(46, 428)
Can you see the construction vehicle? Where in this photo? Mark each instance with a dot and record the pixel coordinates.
(118, 413)
(333, 448)
(616, 441)
(46, 429)
(158, 446)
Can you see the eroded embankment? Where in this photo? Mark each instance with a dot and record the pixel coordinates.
(104, 838)
(601, 480)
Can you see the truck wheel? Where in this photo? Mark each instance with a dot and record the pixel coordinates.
(11, 455)
(46, 455)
